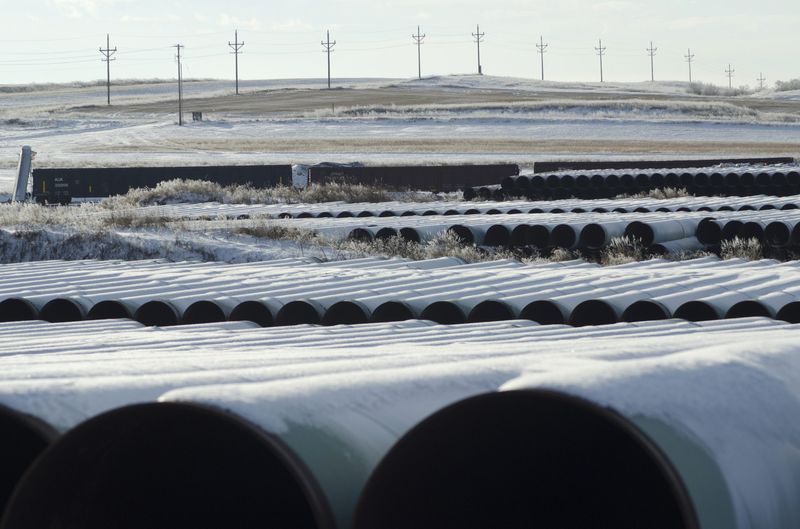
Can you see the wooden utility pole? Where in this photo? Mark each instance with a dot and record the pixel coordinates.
(652, 52)
(478, 36)
(601, 51)
(180, 85)
(761, 80)
(730, 72)
(236, 46)
(418, 38)
(107, 58)
(541, 49)
(689, 58)
(328, 45)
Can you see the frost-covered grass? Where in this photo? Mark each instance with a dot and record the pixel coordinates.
(787, 86)
(664, 193)
(748, 249)
(708, 89)
(198, 191)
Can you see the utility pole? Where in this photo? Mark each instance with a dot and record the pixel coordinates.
(761, 80)
(730, 72)
(328, 45)
(689, 58)
(601, 51)
(652, 52)
(107, 58)
(541, 49)
(478, 36)
(418, 38)
(180, 85)
(236, 46)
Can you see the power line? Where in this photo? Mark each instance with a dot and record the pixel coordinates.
(478, 37)
(236, 46)
(761, 80)
(541, 50)
(108, 54)
(689, 58)
(418, 38)
(601, 51)
(328, 45)
(730, 72)
(651, 51)
(180, 85)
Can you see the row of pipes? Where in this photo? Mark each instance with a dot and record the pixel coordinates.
(732, 182)
(665, 425)
(446, 291)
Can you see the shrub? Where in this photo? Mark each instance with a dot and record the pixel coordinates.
(622, 250)
(748, 249)
(785, 86)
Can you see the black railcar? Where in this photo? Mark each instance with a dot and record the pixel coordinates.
(61, 186)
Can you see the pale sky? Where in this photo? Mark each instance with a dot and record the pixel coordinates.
(58, 40)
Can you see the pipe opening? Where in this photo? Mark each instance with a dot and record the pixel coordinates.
(490, 310)
(386, 233)
(593, 236)
(752, 230)
(777, 234)
(645, 310)
(640, 230)
(444, 313)
(409, 213)
(23, 438)
(410, 235)
(790, 312)
(203, 312)
(430, 213)
(387, 213)
(305, 215)
(61, 310)
(17, 309)
(748, 309)
(519, 235)
(109, 310)
(593, 312)
(325, 215)
(451, 212)
(729, 232)
(497, 235)
(345, 313)
(298, 313)
(697, 311)
(534, 458)
(472, 212)
(708, 232)
(344, 214)
(563, 236)
(392, 311)
(156, 314)
(544, 312)
(168, 465)
(360, 234)
(254, 311)
(463, 233)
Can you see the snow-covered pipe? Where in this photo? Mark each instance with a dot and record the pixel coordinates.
(599, 234)
(689, 244)
(660, 231)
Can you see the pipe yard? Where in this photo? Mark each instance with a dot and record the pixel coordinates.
(337, 333)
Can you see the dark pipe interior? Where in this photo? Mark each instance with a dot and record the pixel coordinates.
(325, 215)
(463, 233)
(344, 214)
(708, 232)
(645, 310)
(525, 459)
(729, 231)
(538, 235)
(387, 213)
(410, 234)
(519, 235)
(751, 230)
(386, 233)
(156, 313)
(640, 230)
(61, 310)
(22, 439)
(697, 311)
(109, 310)
(544, 312)
(254, 311)
(593, 236)
(777, 234)
(490, 310)
(472, 212)
(593, 312)
(749, 309)
(297, 313)
(563, 236)
(345, 313)
(17, 309)
(790, 312)
(444, 312)
(168, 465)
(203, 312)
(360, 234)
(392, 311)
(497, 235)
(451, 212)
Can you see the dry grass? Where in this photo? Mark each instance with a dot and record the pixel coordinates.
(199, 191)
(623, 250)
(748, 249)
(665, 193)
